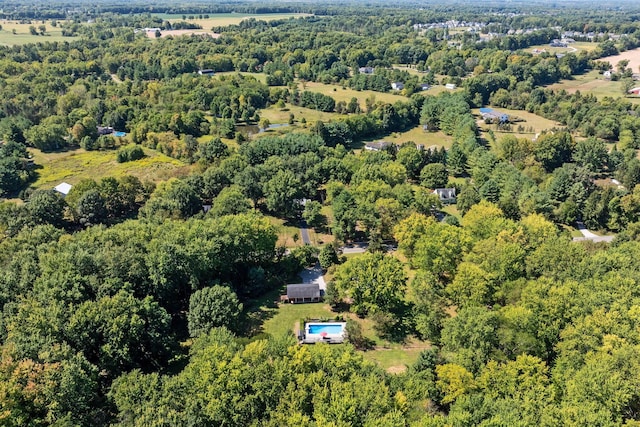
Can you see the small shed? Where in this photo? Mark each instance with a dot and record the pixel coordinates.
(63, 188)
(302, 292)
(446, 195)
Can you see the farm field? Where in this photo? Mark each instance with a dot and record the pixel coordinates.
(633, 56)
(75, 165)
(224, 19)
(23, 35)
(592, 82)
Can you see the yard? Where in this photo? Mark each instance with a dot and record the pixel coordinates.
(532, 124)
(75, 165)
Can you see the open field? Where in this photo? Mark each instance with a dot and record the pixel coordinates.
(529, 120)
(632, 55)
(419, 136)
(224, 19)
(281, 115)
(75, 165)
(261, 77)
(176, 33)
(339, 93)
(571, 48)
(592, 82)
(23, 35)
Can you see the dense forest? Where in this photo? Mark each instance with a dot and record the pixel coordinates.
(135, 299)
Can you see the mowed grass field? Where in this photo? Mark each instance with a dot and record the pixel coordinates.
(75, 165)
(529, 120)
(633, 56)
(23, 35)
(225, 19)
(339, 93)
(419, 136)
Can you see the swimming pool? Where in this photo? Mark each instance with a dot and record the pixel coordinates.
(329, 328)
(328, 332)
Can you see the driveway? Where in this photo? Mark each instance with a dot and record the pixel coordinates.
(304, 233)
(588, 235)
(314, 275)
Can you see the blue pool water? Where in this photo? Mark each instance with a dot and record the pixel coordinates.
(328, 329)
(119, 134)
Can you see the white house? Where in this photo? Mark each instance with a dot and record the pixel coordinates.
(450, 86)
(447, 195)
(377, 146)
(397, 86)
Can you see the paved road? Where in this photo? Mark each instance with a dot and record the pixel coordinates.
(356, 248)
(304, 233)
(588, 235)
(314, 275)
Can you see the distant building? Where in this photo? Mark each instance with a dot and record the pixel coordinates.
(424, 86)
(450, 86)
(206, 72)
(446, 195)
(634, 91)
(63, 188)
(607, 74)
(366, 70)
(397, 86)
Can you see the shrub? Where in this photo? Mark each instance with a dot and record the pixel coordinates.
(129, 153)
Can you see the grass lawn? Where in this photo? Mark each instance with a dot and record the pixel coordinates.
(451, 210)
(395, 360)
(525, 119)
(286, 231)
(284, 318)
(261, 77)
(339, 93)
(281, 115)
(24, 36)
(224, 19)
(75, 165)
(419, 136)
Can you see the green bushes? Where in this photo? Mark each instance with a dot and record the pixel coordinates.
(129, 153)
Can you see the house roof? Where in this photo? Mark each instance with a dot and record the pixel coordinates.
(378, 145)
(63, 188)
(445, 193)
(303, 290)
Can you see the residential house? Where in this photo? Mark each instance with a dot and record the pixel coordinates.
(377, 146)
(366, 70)
(397, 86)
(634, 91)
(446, 195)
(450, 86)
(206, 72)
(301, 293)
(424, 86)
